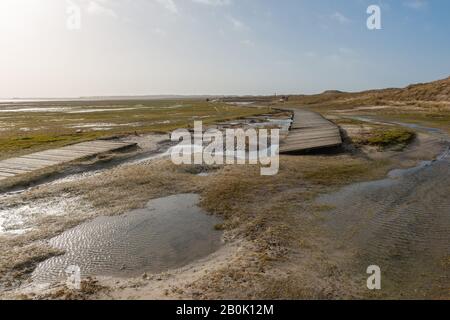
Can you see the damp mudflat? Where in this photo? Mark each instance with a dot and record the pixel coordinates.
(401, 224)
(168, 233)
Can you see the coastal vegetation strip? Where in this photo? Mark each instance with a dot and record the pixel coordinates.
(55, 124)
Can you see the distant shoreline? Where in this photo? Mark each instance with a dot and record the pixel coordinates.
(105, 98)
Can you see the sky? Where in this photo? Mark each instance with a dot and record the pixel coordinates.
(73, 48)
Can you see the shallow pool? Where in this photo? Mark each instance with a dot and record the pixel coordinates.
(168, 233)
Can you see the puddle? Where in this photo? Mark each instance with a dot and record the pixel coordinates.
(102, 125)
(37, 109)
(419, 127)
(203, 174)
(177, 106)
(400, 223)
(168, 233)
(100, 110)
(61, 109)
(237, 103)
(403, 124)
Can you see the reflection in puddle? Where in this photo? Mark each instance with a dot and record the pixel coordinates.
(168, 233)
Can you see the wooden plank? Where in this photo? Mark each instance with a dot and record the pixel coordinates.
(314, 133)
(19, 163)
(324, 142)
(307, 126)
(95, 145)
(45, 161)
(88, 149)
(17, 166)
(309, 130)
(48, 158)
(29, 159)
(93, 148)
(73, 147)
(6, 175)
(300, 146)
(15, 171)
(56, 153)
(305, 148)
(68, 153)
(318, 129)
(310, 145)
(51, 157)
(75, 153)
(105, 144)
(299, 140)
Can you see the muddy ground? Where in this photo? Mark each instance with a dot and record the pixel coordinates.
(281, 239)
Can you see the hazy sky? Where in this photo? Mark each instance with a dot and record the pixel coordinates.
(129, 47)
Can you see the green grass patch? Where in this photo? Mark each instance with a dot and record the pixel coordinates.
(390, 137)
(63, 123)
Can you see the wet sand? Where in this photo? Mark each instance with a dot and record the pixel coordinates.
(400, 223)
(168, 233)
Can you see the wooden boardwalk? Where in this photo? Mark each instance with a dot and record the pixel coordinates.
(13, 167)
(309, 130)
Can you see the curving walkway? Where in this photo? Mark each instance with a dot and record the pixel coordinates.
(310, 130)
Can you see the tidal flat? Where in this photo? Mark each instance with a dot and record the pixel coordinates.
(278, 235)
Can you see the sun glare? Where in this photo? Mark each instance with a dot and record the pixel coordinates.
(22, 16)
